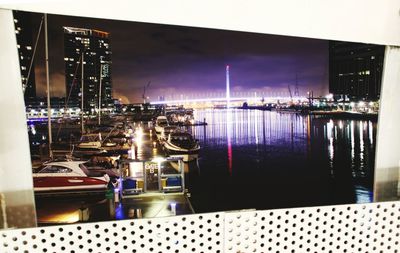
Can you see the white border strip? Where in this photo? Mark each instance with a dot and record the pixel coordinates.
(367, 21)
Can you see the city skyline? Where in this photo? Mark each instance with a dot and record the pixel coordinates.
(184, 60)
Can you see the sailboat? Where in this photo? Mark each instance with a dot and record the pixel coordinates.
(65, 175)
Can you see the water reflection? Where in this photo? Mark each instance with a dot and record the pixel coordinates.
(229, 138)
(316, 160)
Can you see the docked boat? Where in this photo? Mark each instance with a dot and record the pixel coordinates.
(166, 132)
(68, 176)
(90, 141)
(182, 144)
(161, 122)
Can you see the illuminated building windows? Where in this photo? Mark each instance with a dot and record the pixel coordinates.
(91, 42)
(355, 70)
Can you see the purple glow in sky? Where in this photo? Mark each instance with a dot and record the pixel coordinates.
(184, 61)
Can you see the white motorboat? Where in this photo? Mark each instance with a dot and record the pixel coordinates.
(90, 141)
(68, 176)
(166, 132)
(182, 144)
(161, 122)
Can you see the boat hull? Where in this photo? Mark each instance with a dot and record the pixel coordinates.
(158, 129)
(187, 154)
(50, 184)
(89, 145)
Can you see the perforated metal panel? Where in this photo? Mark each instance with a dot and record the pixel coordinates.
(363, 228)
(345, 228)
(191, 233)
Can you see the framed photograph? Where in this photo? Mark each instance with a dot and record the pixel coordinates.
(149, 120)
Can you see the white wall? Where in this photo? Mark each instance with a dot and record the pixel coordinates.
(387, 162)
(15, 166)
(350, 20)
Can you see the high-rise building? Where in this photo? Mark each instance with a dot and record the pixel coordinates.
(355, 70)
(23, 31)
(94, 47)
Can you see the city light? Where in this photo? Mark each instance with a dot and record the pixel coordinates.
(139, 136)
(224, 99)
(158, 159)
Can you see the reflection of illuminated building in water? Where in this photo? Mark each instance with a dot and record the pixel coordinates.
(249, 127)
(339, 149)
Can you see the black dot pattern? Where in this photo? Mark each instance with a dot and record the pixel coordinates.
(191, 233)
(363, 228)
(366, 228)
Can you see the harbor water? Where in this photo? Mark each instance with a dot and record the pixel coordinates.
(267, 159)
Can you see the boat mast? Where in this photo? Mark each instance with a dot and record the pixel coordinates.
(82, 78)
(48, 86)
(101, 77)
(34, 53)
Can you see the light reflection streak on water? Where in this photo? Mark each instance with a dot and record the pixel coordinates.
(249, 134)
(33, 129)
(249, 126)
(352, 143)
(286, 135)
(361, 146)
(370, 131)
(329, 127)
(256, 126)
(229, 138)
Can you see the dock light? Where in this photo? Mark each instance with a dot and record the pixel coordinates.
(116, 195)
(371, 103)
(139, 136)
(329, 96)
(361, 104)
(158, 159)
(33, 130)
(173, 208)
(132, 152)
(154, 144)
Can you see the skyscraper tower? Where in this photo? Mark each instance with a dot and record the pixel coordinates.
(228, 92)
(23, 31)
(94, 47)
(355, 70)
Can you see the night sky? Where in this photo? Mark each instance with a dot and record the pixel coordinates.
(190, 61)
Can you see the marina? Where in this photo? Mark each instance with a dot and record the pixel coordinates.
(193, 145)
(243, 158)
